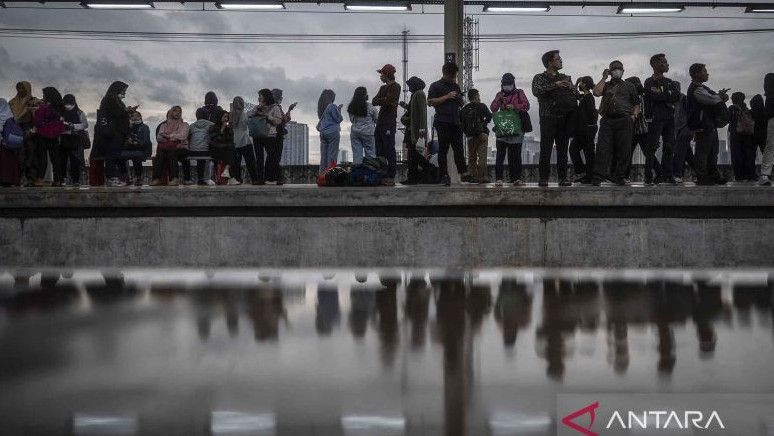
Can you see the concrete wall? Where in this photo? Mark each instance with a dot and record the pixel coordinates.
(387, 227)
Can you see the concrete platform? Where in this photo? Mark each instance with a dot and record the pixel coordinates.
(464, 226)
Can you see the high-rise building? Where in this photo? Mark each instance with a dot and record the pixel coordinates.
(296, 145)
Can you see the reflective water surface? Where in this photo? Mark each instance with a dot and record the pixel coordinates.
(365, 352)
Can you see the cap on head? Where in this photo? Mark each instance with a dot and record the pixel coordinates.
(387, 69)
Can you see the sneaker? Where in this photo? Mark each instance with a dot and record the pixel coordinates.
(648, 181)
(174, 182)
(499, 183)
(232, 182)
(138, 182)
(115, 182)
(519, 183)
(225, 174)
(446, 181)
(666, 180)
(467, 178)
(57, 185)
(186, 182)
(565, 182)
(621, 182)
(211, 182)
(585, 180)
(678, 180)
(543, 183)
(485, 181)
(764, 181)
(281, 181)
(581, 176)
(408, 182)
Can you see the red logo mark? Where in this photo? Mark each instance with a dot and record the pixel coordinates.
(588, 410)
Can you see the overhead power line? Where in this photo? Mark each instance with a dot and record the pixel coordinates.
(295, 38)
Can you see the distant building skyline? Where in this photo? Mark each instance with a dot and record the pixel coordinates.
(296, 144)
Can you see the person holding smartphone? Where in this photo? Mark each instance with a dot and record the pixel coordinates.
(702, 106)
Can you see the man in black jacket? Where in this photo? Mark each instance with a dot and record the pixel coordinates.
(703, 104)
(661, 94)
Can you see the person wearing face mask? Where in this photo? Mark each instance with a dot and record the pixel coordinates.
(138, 147)
(509, 98)
(110, 132)
(363, 116)
(172, 138)
(703, 104)
(583, 141)
(661, 96)
(619, 107)
(73, 141)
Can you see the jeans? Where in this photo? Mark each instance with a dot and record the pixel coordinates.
(384, 139)
(166, 159)
(273, 148)
(248, 153)
(664, 130)
(137, 157)
(554, 129)
(768, 152)
(514, 160)
(362, 145)
(73, 157)
(615, 136)
(201, 164)
(477, 148)
(640, 140)
(329, 149)
(707, 149)
(683, 153)
(743, 153)
(583, 142)
(43, 150)
(450, 135)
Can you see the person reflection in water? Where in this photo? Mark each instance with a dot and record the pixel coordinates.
(417, 309)
(387, 319)
(267, 309)
(513, 309)
(362, 302)
(671, 304)
(328, 311)
(626, 303)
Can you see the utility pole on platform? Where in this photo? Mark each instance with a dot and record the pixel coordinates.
(453, 14)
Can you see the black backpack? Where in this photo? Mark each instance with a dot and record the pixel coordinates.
(472, 122)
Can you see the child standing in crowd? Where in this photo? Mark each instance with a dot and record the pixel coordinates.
(329, 128)
(475, 120)
(198, 146)
(222, 146)
(509, 98)
(243, 144)
(363, 116)
(138, 148)
(73, 141)
(172, 137)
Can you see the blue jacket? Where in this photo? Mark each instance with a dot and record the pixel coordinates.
(331, 119)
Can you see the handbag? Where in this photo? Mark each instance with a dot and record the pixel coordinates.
(258, 127)
(507, 123)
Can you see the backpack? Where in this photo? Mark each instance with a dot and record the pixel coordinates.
(368, 173)
(472, 123)
(13, 135)
(745, 124)
(333, 175)
(258, 127)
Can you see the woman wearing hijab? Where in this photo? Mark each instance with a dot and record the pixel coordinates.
(48, 126)
(268, 108)
(509, 98)
(172, 137)
(111, 132)
(415, 139)
(329, 128)
(10, 163)
(363, 116)
(242, 143)
(72, 141)
(22, 108)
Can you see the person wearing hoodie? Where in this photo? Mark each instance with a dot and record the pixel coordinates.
(10, 165)
(363, 116)
(758, 110)
(740, 143)
(768, 151)
(415, 138)
(72, 140)
(210, 111)
(198, 146)
(172, 138)
(243, 144)
(48, 127)
(329, 127)
(509, 98)
(269, 109)
(222, 146)
(22, 109)
(138, 147)
(110, 132)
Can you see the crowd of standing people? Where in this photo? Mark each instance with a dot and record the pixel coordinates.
(599, 141)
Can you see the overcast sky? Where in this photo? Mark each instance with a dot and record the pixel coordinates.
(162, 74)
